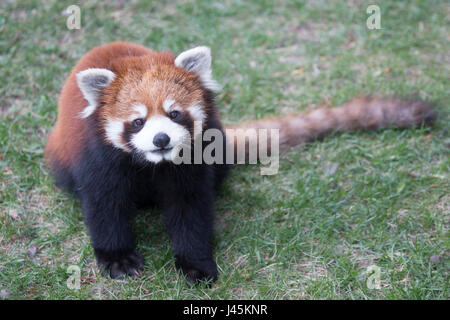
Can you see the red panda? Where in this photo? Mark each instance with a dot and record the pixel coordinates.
(122, 114)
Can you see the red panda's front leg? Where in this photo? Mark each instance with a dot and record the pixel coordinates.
(107, 217)
(104, 188)
(190, 226)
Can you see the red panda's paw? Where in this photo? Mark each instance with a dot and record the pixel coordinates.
(196, 271)
(119, 264)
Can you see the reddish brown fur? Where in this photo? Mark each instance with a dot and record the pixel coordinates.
(148, 77)
(111, 187)
(149, 80)
(359, 113)
(142, 75)
(66, 138)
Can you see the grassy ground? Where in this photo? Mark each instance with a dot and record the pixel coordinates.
(311, 232)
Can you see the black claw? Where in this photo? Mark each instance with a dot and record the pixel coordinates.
(119, 264)
(197, 271)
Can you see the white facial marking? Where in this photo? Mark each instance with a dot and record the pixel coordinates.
(91, 82)
(114, 130)
(198, 115)
(139, 111)
(143, 140)
(169, 105)
(197, 112)
(154, 157)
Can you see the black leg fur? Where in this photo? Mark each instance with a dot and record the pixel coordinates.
(107, 216)
(188, 207)
(112, 186)
(105, 187)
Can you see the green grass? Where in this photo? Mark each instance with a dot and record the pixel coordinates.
(336, 206)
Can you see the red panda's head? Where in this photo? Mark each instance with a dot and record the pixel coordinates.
(149, 104)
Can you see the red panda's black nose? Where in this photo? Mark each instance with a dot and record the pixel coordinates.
(161, 140)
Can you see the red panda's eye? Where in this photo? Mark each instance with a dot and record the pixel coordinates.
(138, 122)
(174, 114)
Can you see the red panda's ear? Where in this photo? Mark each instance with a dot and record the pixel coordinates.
(91, 82)
(198, 61)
